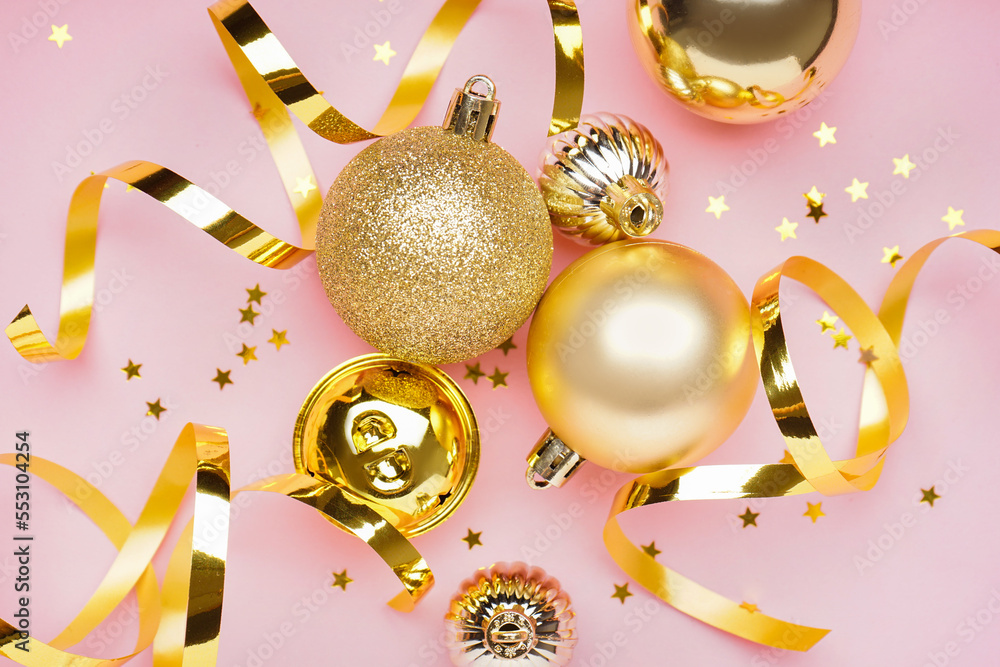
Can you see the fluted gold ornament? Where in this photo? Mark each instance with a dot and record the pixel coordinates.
(604, 180)
(510, 614)
(434, 244)
(640, 358)
(743, 62)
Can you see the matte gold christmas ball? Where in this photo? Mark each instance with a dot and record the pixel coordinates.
(747, 61)
(434, 244)
(640, 356)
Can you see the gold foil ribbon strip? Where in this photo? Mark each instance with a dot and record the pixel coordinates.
(883, 415)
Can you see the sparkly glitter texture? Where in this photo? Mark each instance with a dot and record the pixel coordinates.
(434, 247)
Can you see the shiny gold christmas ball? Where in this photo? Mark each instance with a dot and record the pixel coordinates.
(640, 356)
(433, 245)
(743, 62)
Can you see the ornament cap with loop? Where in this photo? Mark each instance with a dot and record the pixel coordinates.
(632, 205)
(551, 462)
(471, 114)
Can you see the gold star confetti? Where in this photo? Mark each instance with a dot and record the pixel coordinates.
(814, 197)
(498, 379)
(341, 579)
(651, 550)
(816, 212)
(60, 35)
(840, 339)
(222, 377)
(868, 356)
(749, 518)
(786, 229)
(507, 346)
(827, 322)
(278, 338)
(825, 135)
(304, 185)
(259, 112)
(255, 294)
(472, 372)
(472, 539)
(902, 165)
(750, 607)
(248, 314)
(129, 187)
(622, 592)
(815, 511)
(383, 52)
(717, 206)
(247, 354)
(954, 218)
(857, 190)
(155, 409)
(891, 256)
(131, 370)
(929, 496)
(787, 458)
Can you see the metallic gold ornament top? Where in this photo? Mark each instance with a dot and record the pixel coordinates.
(434, 246)
(400, 436)
(604, 180)
(511, 614)
(743, 62)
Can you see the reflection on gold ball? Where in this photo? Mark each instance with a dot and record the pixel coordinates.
(434, 247)
(639, 356)
(743, 62)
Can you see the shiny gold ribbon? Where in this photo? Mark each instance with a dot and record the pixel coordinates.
(883, 415)
(272, 81)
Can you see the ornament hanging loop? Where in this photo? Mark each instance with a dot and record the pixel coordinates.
(471, 114)
(632, 205)
(551, 462)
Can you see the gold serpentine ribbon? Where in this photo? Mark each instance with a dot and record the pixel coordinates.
(273, 84)
(883, 415)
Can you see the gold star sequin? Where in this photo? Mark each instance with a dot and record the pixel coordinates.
(786, 229)
(717, 206)
(750, 607)
(278, 338)
(651, 550)
(749, 518)
(222, 377)
(857, 190)
(498, 379)
(621, 592)
(472, 539)
(954, 218)
(131, 370)
(891, 255)
(902, 165)
(255, 294)
(868, 356)
(60, 35)
(787, 458)
(816, 212)
(825, 135)
(259, 112)
(129, 187)
(247, 354)
(383, 52)
(340, 579)
(815, 511)
(827, 322)
(304, 186)
(814, 196)
(472, 372)
(155, 409)
(840, 339)
(929, 496)
(507, 346)
(248, 314)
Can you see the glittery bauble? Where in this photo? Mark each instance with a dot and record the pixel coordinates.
(434, 247)
(510, 615)
(639, 356)
(743, 62)
(604, 180)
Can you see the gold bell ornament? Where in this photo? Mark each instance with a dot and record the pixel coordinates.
(640, 358)
(510, 615)
(434, 244)
(604, 180)
(743, 62)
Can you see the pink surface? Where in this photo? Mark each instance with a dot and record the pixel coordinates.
(899, 583)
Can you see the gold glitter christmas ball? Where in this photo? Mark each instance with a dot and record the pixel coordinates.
(434, 244)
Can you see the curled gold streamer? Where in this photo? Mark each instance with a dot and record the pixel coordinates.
(883, 415)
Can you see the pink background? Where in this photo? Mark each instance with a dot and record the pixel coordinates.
(177, 315)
